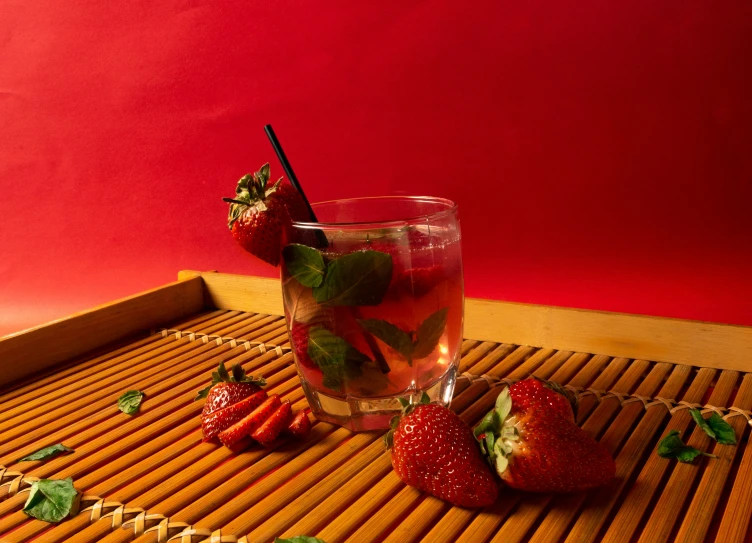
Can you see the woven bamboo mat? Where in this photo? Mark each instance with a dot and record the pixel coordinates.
(149, 478)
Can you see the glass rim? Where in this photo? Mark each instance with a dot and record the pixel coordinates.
(451, 207)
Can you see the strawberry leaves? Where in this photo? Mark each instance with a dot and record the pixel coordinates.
(672, 446)
(51, 500)
(222, 376)
(427, 336)
(129, 402)
(299, 539)
(715, 427)
(47, 452)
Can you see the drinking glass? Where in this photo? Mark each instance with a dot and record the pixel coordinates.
(373, 298)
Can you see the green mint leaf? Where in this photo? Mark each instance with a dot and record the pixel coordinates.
(47, 452)
(715, 427)
(299, 539)
(396, 338)
(360, 278)
(724, 432)
(429, 333)
(337, 359)
(129, 402)
(672, 446)
(51, 500)
(304, 264)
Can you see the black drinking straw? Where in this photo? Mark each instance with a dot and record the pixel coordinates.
(288, 168)
(321, 238)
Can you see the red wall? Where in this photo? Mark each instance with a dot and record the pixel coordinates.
(600, 152)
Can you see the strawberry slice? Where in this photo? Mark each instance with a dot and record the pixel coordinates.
(273, 426)
(249, 423)
(260, 216)
(217, 421)
(300, 425)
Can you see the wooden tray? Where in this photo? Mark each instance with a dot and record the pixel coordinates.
(150, 478)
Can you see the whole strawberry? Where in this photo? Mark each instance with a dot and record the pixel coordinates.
(260, 215)
(533, 442)
(434, 451)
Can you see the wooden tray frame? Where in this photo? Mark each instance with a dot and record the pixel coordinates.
(689, 344)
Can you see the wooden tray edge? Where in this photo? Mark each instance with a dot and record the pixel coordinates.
(29, 351)
(660, 339)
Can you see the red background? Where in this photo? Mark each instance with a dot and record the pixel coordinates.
(600, 152)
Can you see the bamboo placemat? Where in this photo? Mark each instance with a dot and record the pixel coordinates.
(149, 478)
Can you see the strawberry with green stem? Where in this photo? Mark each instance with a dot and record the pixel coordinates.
(434, 451)
(260, 215)
(534, 444)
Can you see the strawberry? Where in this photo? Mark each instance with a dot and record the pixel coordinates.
(434, 451)
(300, 425)
(213, 423)
(533, 442)
(250, 422)
(226, 389)
(299, 340)
(273, 426)
(260, 215)
(420, 281)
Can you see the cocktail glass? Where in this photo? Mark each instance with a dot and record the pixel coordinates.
(373, 298)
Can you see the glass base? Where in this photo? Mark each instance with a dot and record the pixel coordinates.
(364, 414)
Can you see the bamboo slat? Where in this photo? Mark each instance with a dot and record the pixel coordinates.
(149, 478)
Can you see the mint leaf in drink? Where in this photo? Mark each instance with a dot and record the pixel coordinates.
(299, 539)
(429, 333)
(304, 264)
(359, 278)
(129, 402)
(672, 446)
(51, 500)
(715, 427)
(396, 338)
(47, 452)
(337, 359)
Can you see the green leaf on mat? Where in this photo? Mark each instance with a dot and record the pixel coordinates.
(47, 452)
(129, 402)
(672, 446)
(715, 427)
(51, 500)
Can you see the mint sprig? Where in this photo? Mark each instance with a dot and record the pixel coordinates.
(299, 539)
(130, 402)
(335, 356)
(672, 446)
(715, 427)
(426, 337)
(358, 278)
(47, 452)
(51, 500)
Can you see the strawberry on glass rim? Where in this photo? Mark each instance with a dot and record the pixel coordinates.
(260, 215)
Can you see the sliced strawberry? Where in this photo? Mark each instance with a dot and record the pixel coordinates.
(250, 422)
(273, 426)
(215, 422)
(420, 281)
(300, 425)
